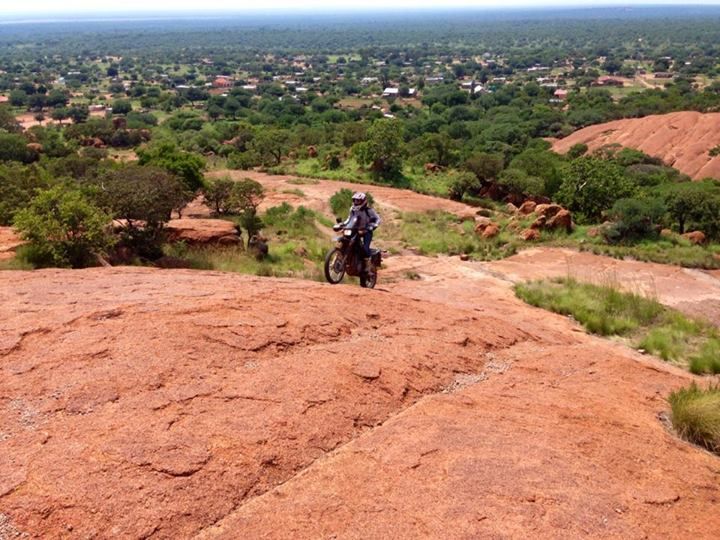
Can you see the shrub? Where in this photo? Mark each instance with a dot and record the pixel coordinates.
(341, 201)
(242, 161)
(465, 183)
(577, 150)
(63, 228)
(634, 219)
(708, 358)
(519, 183)
(696, 415)
(714, 152)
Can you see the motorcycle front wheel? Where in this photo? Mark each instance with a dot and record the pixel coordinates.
(334, 266)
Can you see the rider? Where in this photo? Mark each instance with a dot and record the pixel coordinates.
(367, 221)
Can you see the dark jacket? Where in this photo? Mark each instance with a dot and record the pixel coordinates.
(367, 218)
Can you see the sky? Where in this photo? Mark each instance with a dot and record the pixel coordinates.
(8, 7)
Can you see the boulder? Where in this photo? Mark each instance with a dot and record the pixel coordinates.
(432, 168)
(511, 208)
(539, 223)
(312, 152)
(528, 207)
(593, 232)
(530, 235)
(491, 231)
(481, 223)
(547, 210)
(561, 220)
(695, 237)
(9, 242)
(202, 231)
(666, 233)
(35, 148)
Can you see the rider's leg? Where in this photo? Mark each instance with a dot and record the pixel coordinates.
(367, 239)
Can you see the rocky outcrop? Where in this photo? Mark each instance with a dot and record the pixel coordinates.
(695, 237)
(9, 242)
(682, 140)
(202, 232)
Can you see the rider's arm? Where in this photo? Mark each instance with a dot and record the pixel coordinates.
(375, 220)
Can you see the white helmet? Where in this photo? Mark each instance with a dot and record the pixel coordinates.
(359, 200)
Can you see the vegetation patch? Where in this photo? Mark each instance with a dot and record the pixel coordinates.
(696, 415)
(443, 233)
(643, 322)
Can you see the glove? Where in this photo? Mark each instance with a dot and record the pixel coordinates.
(337, 227)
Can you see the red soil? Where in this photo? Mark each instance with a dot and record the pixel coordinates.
(682, 140)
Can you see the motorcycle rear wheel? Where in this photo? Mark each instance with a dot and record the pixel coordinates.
(334, 266)
(368, 279)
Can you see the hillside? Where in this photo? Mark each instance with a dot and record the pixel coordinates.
(150, 403)
(682, 140)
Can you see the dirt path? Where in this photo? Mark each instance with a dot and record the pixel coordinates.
(317, 193)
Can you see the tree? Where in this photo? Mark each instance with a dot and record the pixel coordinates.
(18, 98)
(485, 166)
(56, 98)
(63, 228)
(246, 196)
(78, 113)
(270, 145)
(8, 122)
(60, 114)
(216, 194)
(18, 185)
(591, 185)
(185, 165)
(143, 199)
(121, 106)
(382, 152)
(13, 147)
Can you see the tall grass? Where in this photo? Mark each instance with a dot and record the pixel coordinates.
(696, 415)
(645, 322)
(437, 232)
(601, 310)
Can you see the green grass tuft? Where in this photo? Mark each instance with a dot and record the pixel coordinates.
(609, 312)
(696, 415)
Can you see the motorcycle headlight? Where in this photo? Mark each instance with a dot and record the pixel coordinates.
(348, 233)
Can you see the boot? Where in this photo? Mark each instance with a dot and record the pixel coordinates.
(367, 264)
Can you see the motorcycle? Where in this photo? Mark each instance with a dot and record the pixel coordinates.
(347, 257)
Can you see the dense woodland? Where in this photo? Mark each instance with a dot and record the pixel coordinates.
(124, 120)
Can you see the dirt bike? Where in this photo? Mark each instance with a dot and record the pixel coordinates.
(347, 257)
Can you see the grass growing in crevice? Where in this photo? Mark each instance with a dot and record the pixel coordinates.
(696, 415)
(643, 321)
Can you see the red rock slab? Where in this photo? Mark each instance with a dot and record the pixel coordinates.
(550, 442)
(681, 139)
(138, 402)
